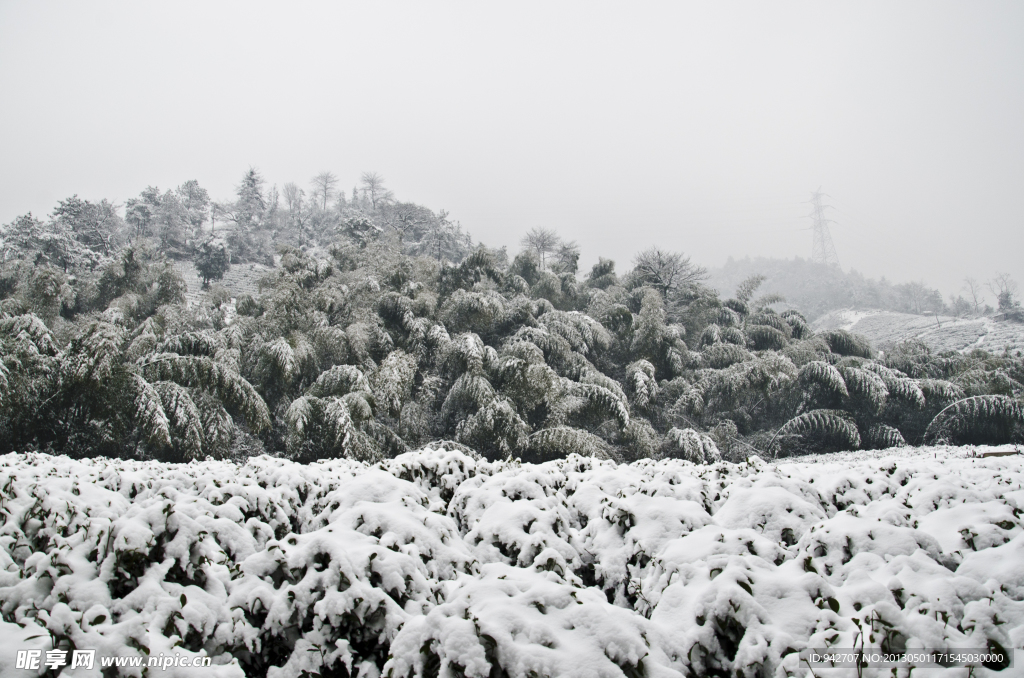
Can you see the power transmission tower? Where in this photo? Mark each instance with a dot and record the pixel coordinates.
(822, 251)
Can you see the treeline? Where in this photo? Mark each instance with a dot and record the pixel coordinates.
(815, 289)
(382, 328)
(184, 223)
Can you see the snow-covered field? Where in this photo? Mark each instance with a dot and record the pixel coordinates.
(437, 564)
(942, 333)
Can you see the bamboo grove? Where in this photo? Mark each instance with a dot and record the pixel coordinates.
(382, 328)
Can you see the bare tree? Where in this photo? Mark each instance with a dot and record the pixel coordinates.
(542, 241)
(1001, 284)
(406, 218)
(294, 200)
(223, 210)
(293, 196)
(973, 290)
(667, 271)
(271, 216)
(373, 185)
(1005, 288)
(916, 294)
(323, 188)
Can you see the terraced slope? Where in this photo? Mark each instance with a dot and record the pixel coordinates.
(940, 333)
(239, 280)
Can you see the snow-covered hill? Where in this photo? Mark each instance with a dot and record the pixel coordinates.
(439, 564)
(940, 333)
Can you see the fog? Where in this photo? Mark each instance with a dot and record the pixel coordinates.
(699, 128)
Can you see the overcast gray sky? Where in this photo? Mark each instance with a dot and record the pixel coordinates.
(697, 127)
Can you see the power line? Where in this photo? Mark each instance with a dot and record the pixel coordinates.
(823, 251)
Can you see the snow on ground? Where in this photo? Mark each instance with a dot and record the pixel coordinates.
(940, 333)
(843, 319)
(238, 280)
(439, 564)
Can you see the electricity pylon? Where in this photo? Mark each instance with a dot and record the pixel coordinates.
(822, 250)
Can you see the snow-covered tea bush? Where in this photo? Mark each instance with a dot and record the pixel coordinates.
(437, 563)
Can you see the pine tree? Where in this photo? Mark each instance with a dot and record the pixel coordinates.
(251, 206)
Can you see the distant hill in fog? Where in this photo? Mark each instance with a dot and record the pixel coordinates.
(815, 289)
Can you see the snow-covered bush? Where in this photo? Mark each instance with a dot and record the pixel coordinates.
(691, 445)
(440, 563)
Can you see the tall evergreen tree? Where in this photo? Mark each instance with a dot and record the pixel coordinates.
(251, 204)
